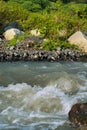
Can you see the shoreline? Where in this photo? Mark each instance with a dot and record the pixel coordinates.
(13, 55)
(23, 52)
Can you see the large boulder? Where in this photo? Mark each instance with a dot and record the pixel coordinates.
(11, 33)
(78, 114)
(80, 40)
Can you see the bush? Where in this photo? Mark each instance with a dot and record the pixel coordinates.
(11, 12)
(16, 40)
(48, 16)
(32, 5)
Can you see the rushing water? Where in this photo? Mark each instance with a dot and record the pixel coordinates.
(39, 95)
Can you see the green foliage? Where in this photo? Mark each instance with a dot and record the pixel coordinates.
(48, 45)
(13, 42)
(32, 5)
(80, 10)
(16, 40)
(11, 12)
(65, 45)
(48, 16)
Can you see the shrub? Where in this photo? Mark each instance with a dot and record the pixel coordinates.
(11, 12)
(48, 16)
(15, 41)
(48, 45)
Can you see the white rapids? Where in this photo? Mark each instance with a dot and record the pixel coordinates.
(38, 96)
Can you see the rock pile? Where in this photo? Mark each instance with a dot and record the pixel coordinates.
(26, 51)
(23, 52)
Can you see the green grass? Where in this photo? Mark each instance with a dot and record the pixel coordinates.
(15, 41)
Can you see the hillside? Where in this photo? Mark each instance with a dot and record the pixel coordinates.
(55, 19)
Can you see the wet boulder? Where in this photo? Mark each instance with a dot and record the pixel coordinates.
(78, 114)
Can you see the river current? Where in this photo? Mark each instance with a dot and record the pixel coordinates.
(39, 95)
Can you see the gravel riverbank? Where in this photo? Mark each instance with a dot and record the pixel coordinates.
(24, 52)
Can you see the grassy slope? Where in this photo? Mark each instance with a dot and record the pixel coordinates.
(49, 20)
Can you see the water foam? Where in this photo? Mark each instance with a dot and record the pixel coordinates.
(39, 107)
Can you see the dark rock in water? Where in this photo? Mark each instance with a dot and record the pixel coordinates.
(78, 114)
(82, 128)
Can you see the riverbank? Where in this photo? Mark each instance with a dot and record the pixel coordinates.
(24, 52)
(51, 22)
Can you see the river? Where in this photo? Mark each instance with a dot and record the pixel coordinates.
(39, 95)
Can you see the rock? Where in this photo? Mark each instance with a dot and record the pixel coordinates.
(12, 48)
(78, 114)
(36, 57)
(2, 56)
(0, 40)
(13, 25)
(30, 41)
(82, 128)
(11, 33)
(62, 33)
(35, 32)
(80, 40)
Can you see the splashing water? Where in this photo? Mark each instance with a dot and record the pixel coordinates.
(38, 96)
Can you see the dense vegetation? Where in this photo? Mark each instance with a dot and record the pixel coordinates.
(55, 19)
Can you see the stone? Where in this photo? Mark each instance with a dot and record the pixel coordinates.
(13, 25)
(35, 32)
(62, 33)
(79, 39)
(78, 114)
(12, 48)
(11, 33)
(36, 57)
(0, 40)
(31, 40)
(82, 128)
